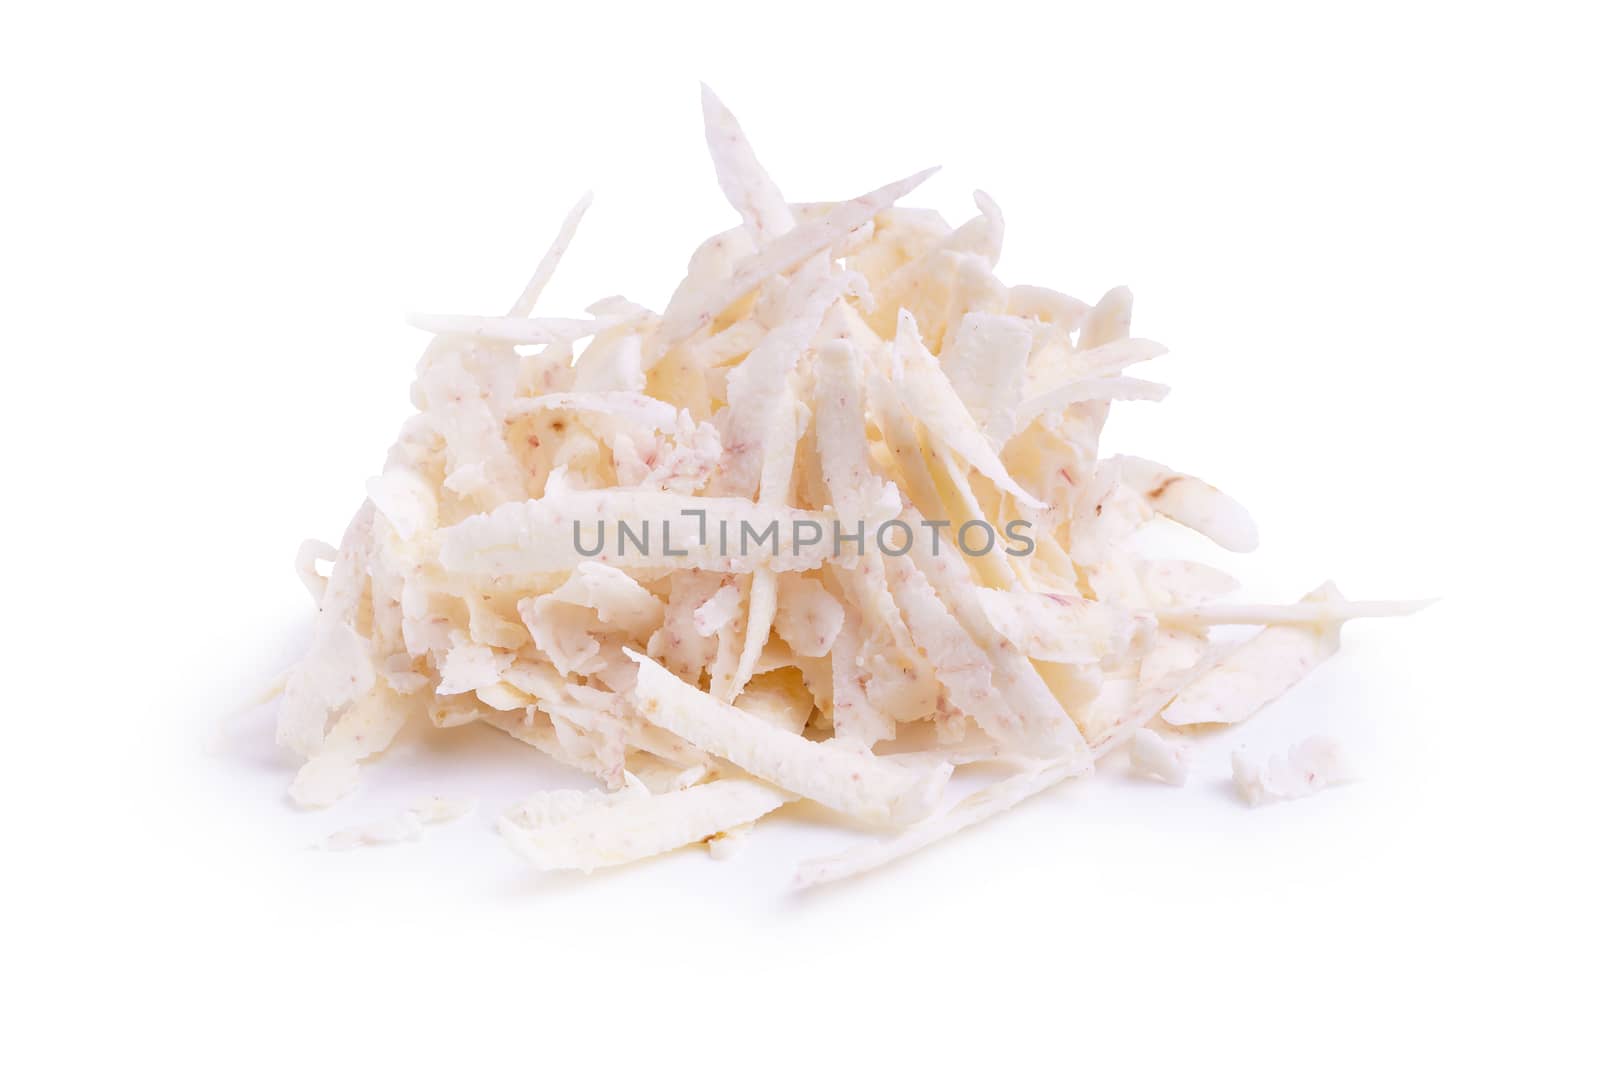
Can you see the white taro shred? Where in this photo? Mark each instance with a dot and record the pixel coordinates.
(405, 827)
(843, 366)
(1152, 755)
(1310, 766)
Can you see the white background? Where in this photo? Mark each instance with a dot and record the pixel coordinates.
(1368, 235)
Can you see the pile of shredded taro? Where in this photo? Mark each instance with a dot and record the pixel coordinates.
(843, 367)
